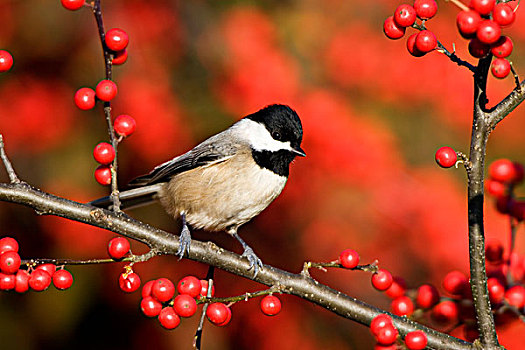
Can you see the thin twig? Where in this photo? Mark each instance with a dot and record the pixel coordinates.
(197, 340)
(97, 12)
(59, 262)
(7, 164)
(454, 58)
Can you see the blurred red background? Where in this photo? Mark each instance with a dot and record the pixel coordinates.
(373, 117)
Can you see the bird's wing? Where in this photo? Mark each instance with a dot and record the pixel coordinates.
(207, 153)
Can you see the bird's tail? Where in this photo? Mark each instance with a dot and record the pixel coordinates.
(131, 198)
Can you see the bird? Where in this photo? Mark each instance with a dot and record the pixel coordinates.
(226, 180)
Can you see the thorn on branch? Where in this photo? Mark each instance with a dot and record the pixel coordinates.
(516, 78)
(7, 164)
(454, 58)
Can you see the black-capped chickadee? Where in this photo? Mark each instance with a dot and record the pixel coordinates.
(226, 180)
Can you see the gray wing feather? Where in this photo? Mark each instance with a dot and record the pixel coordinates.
(211, 151)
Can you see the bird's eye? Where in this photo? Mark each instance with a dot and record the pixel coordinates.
(276, 135)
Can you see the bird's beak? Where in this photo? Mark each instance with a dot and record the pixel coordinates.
(299, 151)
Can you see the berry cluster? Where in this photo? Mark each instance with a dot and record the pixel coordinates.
(504, 176)
(418, 44)
(386, 334)
(37, 278)
(481, 24)
(159, 300)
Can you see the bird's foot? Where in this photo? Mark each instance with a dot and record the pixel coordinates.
(184, 241)
(253, 259)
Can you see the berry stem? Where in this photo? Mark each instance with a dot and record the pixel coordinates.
(242, 297)
(7, 163)
(459, 4)
(97, 12)
(373, 267)
(454, 58)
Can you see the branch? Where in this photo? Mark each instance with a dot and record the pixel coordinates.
(165, 243)
(478, 144)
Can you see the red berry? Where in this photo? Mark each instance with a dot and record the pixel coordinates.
(427, 296)
(6, 61)
(503, 14)
(228, 318)
(468, 22)
(500, 68)
(496, 290)
(8, 244)
(425, 9)
(72, 5)
(483, 7)
(120, 57)
(7, 282)
(506, 171)
(163, 289)
(217, 313)
(382, 280)
(478, 49)
(22, 281)
(386, 347)
(445, 312)
(168, 318)
(103, 175)
(49, 268)
(85, 98)
(190, 285)
(349, 258)
(411, 46)
(10, 262)
(146, 288)
(446, 157)
(39, 280)
(494, 251)
(495, 188)
(515, 296)
(397, 289)
(270, 305)
(116, 39)
(104, 153)
(392, 30)
(379, 322)
(426, 41)
(416, 340)
(456, 283)
(150, 306)
(118, 248)
(106, 90)
(503, 47)
(488, 32)
(204, 288)
(129, 282)
(62, 279)
(387, 335)
(124, 125)
(184, 305)
(405, 15)
(402, 306)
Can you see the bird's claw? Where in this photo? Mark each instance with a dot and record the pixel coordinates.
(184, 242)
(253, 259)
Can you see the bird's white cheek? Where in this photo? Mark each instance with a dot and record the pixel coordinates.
(259, 137)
